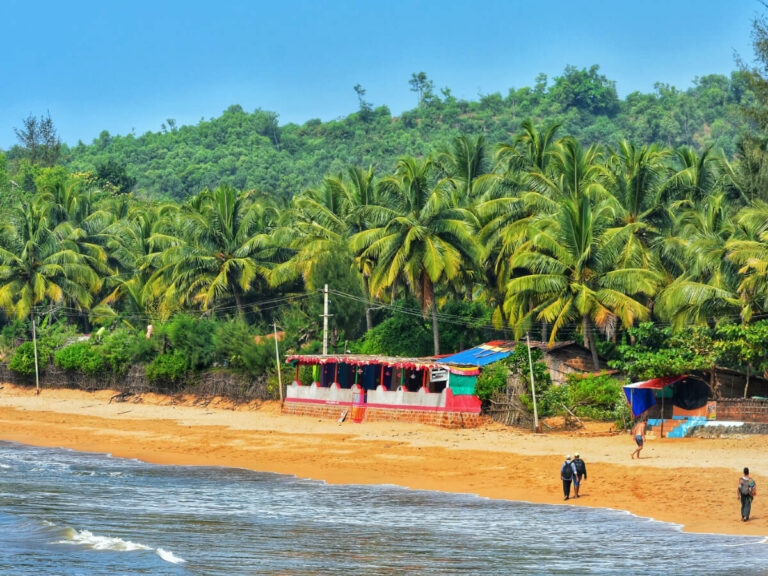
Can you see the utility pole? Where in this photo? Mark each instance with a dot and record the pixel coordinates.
(325, 320)
(533, 387)
(34, 342)
(277, 361)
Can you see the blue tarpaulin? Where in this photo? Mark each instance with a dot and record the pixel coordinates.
(480, 355)
(640, 399)
(642, 395)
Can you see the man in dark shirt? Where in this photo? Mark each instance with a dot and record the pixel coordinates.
(581, 473)
(567, 475)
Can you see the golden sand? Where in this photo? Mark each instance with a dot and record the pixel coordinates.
(686, 481)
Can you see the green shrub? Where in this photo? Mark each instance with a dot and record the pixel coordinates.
(167, 368)
(115, 348)
(142, 350)
(193, 339)
(23, 360)
(236, 344)
(80, 357)
(492, 380)
(599, 397)
(399, 335)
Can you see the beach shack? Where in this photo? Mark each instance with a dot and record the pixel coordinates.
(561, 358)
(673, 404)
(384, 388)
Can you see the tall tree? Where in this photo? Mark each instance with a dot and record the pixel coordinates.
(422, 238)
(39, 140)
(225, 249)
(38, 262)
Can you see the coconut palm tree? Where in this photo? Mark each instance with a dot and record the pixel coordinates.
(571, 274)
(422, 238)
(707, 281)
(38, 262)
(225, 248)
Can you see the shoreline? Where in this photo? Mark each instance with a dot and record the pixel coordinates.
(687, 482)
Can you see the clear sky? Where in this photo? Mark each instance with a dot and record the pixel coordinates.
(130, 65)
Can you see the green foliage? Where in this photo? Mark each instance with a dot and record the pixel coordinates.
(476, 317)
(236, 344)
(585, 90)
(80, 357)
(493, 377)
(399, 335)
(252, 151)
(111, 174)
(115, 349)
(23, 360)
(599, 397)
(11, 333)
(193, 339)
(492, 380)
(661, 352)
(167, 368)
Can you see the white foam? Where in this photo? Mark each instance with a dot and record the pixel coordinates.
(87, 538)
(169, 556)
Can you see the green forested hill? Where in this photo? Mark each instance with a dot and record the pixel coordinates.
(250, 150)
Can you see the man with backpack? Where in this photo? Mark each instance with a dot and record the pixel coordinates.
(746, 493)
(581, 473)
(567, 474)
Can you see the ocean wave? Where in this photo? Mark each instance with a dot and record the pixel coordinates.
(169, 556)
(87, 538)
(95, 542)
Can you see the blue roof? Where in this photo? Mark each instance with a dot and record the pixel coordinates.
(480, 355)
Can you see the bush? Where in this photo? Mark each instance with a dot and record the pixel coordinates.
(167, 368)
(80, 357)
(243, 354)
(23, 360)
(399, 335)
(115, 347)
(492, 380)
(599, 397)
(193, 339)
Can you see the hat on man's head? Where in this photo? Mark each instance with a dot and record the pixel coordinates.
(577, 454)
(568, 457)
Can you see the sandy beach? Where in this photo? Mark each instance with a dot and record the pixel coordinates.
(691, 482)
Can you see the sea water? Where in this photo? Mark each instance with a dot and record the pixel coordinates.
(70, 513)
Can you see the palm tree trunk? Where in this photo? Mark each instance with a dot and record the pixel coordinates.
(435, 329)
(544, 334)
(589, 341)
(368, 313)
(238, 300)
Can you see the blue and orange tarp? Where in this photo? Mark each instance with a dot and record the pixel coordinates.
(642, 395)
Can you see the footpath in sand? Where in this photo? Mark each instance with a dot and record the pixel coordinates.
(686, 481)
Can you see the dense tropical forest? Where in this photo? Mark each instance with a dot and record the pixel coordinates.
(638, 227)
(253, 151)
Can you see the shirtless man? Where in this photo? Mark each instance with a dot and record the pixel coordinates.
(639, 433)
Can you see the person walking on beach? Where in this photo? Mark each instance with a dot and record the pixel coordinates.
(567, 474)
(746, 493)
(639, 433)
(581, 473)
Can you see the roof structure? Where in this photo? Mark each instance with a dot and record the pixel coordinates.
(657, 383)
(367, 360)
(498, 350)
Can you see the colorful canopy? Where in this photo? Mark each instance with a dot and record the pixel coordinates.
(371, 360)
(641, 395)
(482, 354)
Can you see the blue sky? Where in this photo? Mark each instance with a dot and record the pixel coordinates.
(123, 66)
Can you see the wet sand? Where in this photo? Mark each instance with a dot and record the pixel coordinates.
(691, 482)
